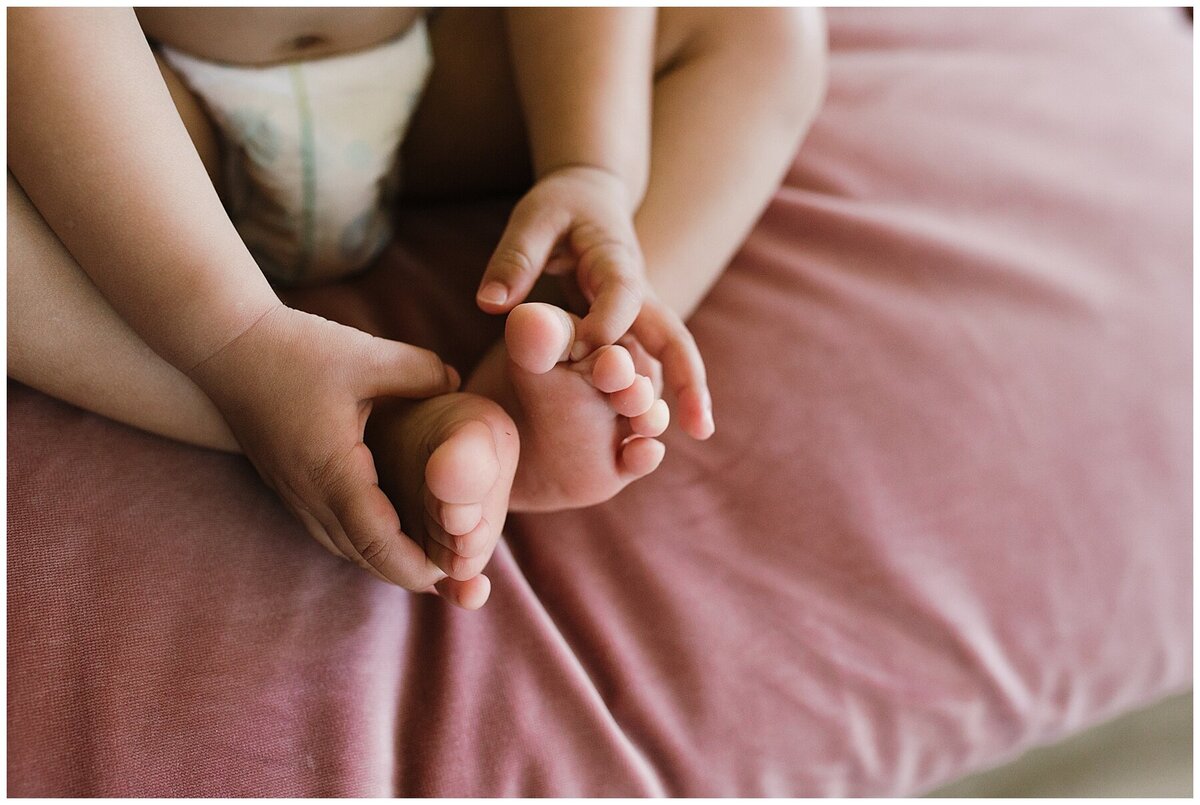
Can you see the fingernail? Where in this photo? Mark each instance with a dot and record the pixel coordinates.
(579, 350)
(493, 293)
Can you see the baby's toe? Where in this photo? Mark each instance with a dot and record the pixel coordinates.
(460, 557)
(470, 594)
(454, 519)
(654, 422)
(538, 336)
(640, 456)
(634, 400)
(461, 518)
(477, 542)
(455, 565)
(465, 466)
(613, 369)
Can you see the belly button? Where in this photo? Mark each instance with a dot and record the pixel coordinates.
(306, 41)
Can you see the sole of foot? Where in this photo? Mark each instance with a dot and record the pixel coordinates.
(588, 428)
(448, 464)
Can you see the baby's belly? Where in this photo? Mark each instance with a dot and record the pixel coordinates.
(260, 36)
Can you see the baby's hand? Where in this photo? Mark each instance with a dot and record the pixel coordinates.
(579, 220)
(575, 218)
(296, 390)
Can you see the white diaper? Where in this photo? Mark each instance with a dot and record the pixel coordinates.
(311, 150)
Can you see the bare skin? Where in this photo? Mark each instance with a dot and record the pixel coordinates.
(262, 36)
(587, 427)
(563, 407)
(702, 69)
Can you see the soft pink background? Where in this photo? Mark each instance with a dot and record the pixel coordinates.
(946, 514)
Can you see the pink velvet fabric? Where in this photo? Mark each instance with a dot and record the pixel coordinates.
(946, 514)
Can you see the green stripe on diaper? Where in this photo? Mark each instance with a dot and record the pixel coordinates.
(308, 175)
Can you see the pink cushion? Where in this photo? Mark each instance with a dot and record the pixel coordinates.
(946, 514)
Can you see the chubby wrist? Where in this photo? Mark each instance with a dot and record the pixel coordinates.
(190, 313)
(210, 364)
(618, 182)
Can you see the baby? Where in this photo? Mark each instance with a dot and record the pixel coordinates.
(167, 166)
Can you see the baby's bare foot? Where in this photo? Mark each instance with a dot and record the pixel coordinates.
(447, 465)
(587, 428)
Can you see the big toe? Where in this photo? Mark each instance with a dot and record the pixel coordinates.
(538, 336)
(465, 466)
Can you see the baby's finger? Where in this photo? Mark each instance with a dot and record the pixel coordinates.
(643, 362)
(326, 529)
(321, 525)
(520, 257)
(318, 531)
(614, 278)
(394, 369)
(371, 524)
(338, 535)
(560, 262)
(666, 338)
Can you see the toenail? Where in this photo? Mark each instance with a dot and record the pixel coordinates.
(579, 351)
(493, 293)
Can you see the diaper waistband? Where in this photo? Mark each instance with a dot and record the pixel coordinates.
(409, 53)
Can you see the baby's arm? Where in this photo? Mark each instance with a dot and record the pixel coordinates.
(96, 144)
(733, 92)
(584, 77)
(701, 144)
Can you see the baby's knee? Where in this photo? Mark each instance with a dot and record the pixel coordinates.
(784, 50)
(791, 46)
